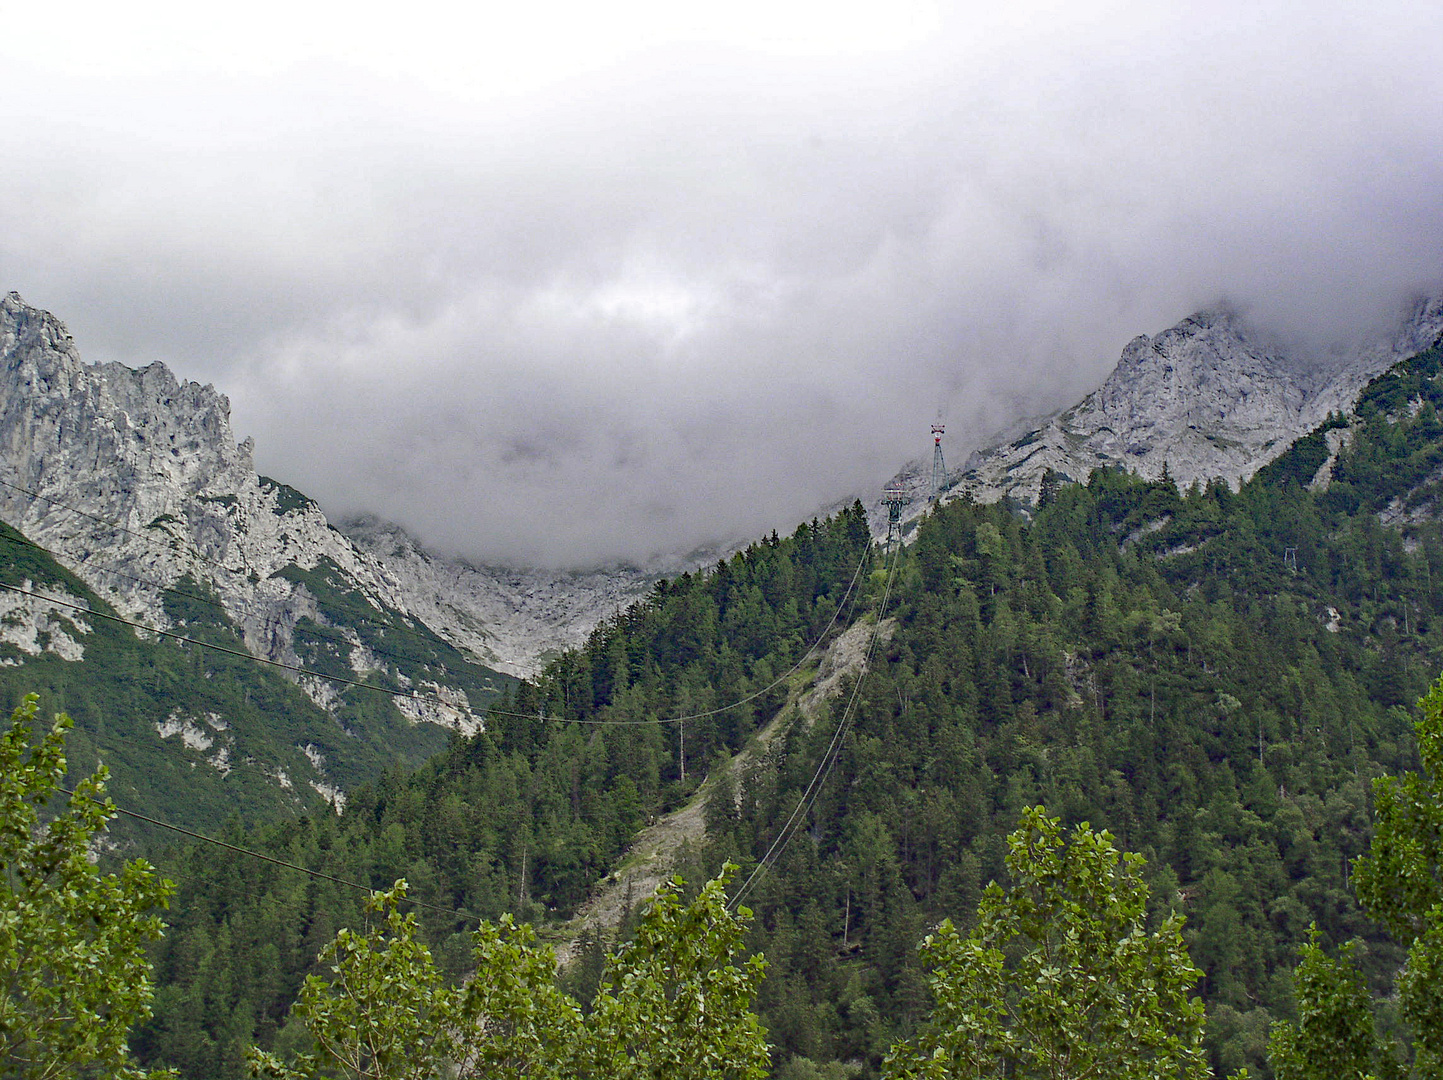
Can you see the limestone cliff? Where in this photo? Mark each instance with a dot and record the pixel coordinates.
(1209, 398)
(135, 482)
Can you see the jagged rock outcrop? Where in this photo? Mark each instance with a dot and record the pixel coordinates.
(39, 619)
(134, 481)
(512, 619)
(1207, 398)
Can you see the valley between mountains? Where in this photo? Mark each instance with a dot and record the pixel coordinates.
(1194, 609)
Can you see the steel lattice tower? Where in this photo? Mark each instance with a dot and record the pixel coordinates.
(895, 497)
(939, 467)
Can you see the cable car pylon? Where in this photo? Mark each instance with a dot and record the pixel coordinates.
(939, 467)
(895, 497)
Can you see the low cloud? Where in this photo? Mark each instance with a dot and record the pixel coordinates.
(694, 288)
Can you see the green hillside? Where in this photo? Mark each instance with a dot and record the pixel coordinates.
(196, 736)
(1213, 676)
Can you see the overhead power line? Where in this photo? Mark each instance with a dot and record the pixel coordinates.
(829, 757)
(110, 804)
(414, 695)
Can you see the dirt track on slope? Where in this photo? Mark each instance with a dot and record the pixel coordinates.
(651, 859)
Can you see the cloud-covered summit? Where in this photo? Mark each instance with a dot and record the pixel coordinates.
(566, 289)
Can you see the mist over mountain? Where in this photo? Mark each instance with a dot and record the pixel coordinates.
(1213, 397)
(582, 288)
(1207, 399)
(135, 481)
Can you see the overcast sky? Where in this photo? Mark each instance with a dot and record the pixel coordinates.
(562, 283)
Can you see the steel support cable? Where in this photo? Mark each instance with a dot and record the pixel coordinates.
(22, 540)
(784, 676)
(822, 772)
(236, 848)
(251, 853)
(829, 756)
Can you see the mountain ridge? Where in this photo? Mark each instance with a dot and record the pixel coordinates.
(134, 480)
(1209, 398)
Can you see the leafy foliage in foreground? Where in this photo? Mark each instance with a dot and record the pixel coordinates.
(1059, 979)
(674, 1004)
(1059, 976)
(1400, 881)
(1333, 1038)
(73, 968)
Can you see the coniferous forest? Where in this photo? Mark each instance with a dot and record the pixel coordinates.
(1214, 676)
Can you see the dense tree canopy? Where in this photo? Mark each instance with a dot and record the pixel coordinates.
(674, 1004)
(1059, 977)
(1333, 1037)
(73, 968)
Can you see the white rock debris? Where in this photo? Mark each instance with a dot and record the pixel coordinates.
(321, 786)
(440, 705)
(44, 622)
(191, 734)
(200, 739)
(332, 794)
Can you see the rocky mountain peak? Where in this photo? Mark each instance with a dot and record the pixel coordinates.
(133, 479)
(158, 433)
(1209, 398)
(1204, 374)
(83, 446)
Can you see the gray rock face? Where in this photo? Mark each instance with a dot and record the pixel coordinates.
(1205, 398)
(49, 619)
(511, 619)
(134, 480)
(85, 448)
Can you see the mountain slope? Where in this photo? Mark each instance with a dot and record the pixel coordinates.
(190, 735)
(1208, 398)
(133, 481)
(513, 619)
